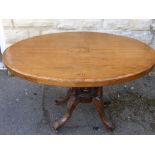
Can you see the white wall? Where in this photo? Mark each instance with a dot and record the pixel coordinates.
(18, 29)
(2, 37)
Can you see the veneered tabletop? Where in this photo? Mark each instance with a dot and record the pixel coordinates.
(79, 59)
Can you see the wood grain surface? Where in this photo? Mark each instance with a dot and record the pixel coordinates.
(79, 59)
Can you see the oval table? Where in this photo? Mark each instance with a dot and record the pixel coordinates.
(82, 61)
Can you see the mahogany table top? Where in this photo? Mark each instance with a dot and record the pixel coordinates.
(79, 59)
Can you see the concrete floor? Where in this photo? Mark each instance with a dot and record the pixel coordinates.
(29, 108)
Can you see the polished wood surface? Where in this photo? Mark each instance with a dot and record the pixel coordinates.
(79, 59)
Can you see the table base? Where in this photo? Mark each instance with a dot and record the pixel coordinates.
(83, 95)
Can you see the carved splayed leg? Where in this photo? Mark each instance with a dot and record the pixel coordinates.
(100, 109)
(71, 105)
